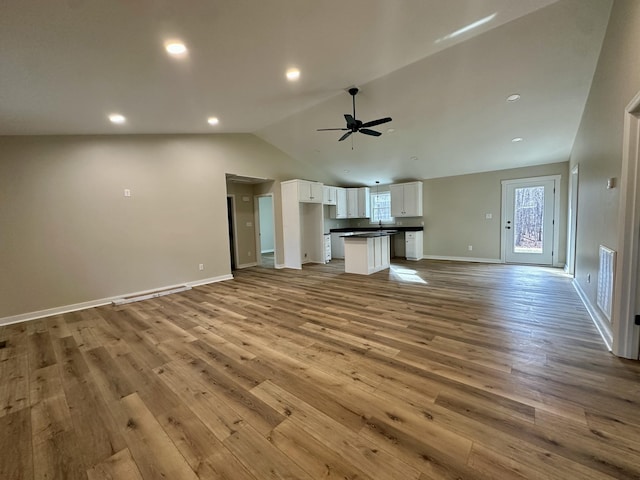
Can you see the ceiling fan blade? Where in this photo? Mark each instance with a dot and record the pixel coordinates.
(327, 129)
(350, 120)
(366, 131)
(345, 136)
(373, 123)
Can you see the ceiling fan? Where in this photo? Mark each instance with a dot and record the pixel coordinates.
(354, 125)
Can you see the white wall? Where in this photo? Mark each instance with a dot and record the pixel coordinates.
(68, 235)
(598, 146)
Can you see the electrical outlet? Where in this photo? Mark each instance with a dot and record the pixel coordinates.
(488, 216)
(470, 247)
(127, 192)
(201, 266)
(248, 254)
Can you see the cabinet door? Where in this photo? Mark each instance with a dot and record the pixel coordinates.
(304, 191)
(341, 203)
(352, 203)
(413, 246)
(397, 200)
(412, 199)
(315, 192)
(364, 202)
(410, 245)
(326, 195)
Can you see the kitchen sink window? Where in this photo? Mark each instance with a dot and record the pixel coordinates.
(381, 208)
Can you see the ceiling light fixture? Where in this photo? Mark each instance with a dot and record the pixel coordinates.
(414, 158)
(293, 74)
(465, 29)
(517, 139)
(117, 118)
(213, 121)
(175, 48)
(514, 97)
(391, 130)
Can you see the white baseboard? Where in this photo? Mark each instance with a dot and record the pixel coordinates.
(279, 266)
(462, 259)
(25, 317)
(602, 324)
(246, 265)
(205, 281)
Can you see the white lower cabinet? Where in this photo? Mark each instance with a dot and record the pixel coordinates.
(413, 245)
(327, 248)
(366, 255)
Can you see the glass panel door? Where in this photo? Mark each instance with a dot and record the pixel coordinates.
(529, 222)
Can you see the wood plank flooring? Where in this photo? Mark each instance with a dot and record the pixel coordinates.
(433, 370)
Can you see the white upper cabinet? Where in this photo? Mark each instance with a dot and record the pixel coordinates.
(309, 192)
(358, 204)
(406, 199)
(329, 195)
(340, 208)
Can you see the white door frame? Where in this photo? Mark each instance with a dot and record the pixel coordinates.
(556, 215)
(256, 213)
(625, 332)
(572, 221)
(235, 228)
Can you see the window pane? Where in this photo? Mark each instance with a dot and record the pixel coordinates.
(381, 207)
(528, 220)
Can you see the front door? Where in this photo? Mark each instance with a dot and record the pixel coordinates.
(528, 222)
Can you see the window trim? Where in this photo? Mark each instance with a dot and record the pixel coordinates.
(385, 221)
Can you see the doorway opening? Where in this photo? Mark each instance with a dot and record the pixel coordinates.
(232, 226)
(572, 221)
(529, 230)
(265, 230)
(244, 221)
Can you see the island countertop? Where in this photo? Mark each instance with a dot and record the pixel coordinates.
(379, 233)
(376, 229)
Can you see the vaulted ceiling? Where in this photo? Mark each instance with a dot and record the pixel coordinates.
(442, 69)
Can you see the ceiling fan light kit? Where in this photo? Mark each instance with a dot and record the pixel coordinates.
(354, 125)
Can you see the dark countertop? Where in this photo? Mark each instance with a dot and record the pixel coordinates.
(379, 233)
(376, 229)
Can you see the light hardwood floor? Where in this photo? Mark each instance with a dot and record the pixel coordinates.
(434, 370)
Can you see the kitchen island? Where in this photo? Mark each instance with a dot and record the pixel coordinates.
(368, 252)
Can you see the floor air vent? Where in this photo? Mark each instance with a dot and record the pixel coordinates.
(606, 275)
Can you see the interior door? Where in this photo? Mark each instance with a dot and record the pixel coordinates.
(528, 221)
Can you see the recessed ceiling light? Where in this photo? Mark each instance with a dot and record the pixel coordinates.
(213, 121)
(513, 97)
(391, 130)
(117, 118)
(346, 171)
(517, 139)
(293, 74)
(414, 158)
(175, 48)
